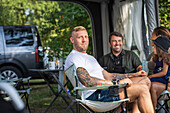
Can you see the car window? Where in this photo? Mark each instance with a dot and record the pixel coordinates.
(16, 37)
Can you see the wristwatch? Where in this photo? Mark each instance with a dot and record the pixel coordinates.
(115, 81)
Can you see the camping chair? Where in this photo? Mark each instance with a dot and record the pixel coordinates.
(20, 88)
(16, 104)
(164, 96)
(92, 106)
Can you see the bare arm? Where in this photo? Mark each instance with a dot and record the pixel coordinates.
(110, 76)
(162, 73)
(89, 81)
(139, 68)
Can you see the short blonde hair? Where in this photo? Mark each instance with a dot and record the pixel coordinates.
(78, 28)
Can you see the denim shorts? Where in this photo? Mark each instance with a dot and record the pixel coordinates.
(102, 96)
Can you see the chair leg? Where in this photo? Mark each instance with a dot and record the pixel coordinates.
(66, 111)
(77, 107)
(166, 105)
(27, 98)
(163, 106)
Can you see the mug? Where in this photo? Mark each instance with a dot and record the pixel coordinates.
(52, 65)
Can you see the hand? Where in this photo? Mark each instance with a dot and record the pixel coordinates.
(126, 80)
(142, 73)
(150, 76)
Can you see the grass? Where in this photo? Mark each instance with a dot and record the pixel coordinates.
(41, 96)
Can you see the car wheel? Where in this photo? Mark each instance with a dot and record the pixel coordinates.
(10, 72)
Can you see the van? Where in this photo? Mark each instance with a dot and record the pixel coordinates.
(20, 50)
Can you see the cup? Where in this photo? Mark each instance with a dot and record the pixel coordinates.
(51, 65)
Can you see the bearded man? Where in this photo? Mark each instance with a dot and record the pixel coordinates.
(120, 60)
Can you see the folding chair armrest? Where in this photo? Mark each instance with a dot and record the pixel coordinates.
(23, 79)
(168, 78)
(24, 90)
(99, 87)
(26, 79)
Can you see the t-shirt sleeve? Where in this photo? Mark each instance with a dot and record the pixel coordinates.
(136, 60)
(101, 61)
(76, 60)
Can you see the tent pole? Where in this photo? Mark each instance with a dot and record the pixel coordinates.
(157, 12)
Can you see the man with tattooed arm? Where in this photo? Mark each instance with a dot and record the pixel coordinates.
(90, 73)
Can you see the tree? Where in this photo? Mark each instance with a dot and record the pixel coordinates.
(55, 21)
(164, 13)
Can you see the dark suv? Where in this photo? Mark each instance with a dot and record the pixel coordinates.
(20, 50)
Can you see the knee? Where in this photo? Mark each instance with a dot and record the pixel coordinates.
(156, 88)
(147, 82)
(137, 91)
(144, 89)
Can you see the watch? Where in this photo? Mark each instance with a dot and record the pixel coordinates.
(115, 81)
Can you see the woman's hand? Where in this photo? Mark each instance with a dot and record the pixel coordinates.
(150, 76)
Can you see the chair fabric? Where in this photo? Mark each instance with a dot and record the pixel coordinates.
(93, 105)
(102, 106)
(164, 95)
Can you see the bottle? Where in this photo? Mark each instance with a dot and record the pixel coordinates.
(145, 66)
(45, 60)
(68, 91)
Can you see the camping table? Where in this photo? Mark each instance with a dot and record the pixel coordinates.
(55, 76)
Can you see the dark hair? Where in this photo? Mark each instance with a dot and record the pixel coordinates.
(162, 31)
(162, 54)
(114, 33)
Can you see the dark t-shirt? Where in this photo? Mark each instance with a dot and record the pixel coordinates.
(118, 64)
(129, 62)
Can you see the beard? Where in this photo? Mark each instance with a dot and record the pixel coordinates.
(116, 51)
(81, 47)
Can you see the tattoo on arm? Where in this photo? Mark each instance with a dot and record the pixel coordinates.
(139, 68)
(123, 76)
(86, 79)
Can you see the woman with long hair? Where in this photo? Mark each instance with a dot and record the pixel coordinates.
(161, 48)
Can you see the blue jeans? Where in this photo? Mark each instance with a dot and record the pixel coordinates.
(102, 96)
